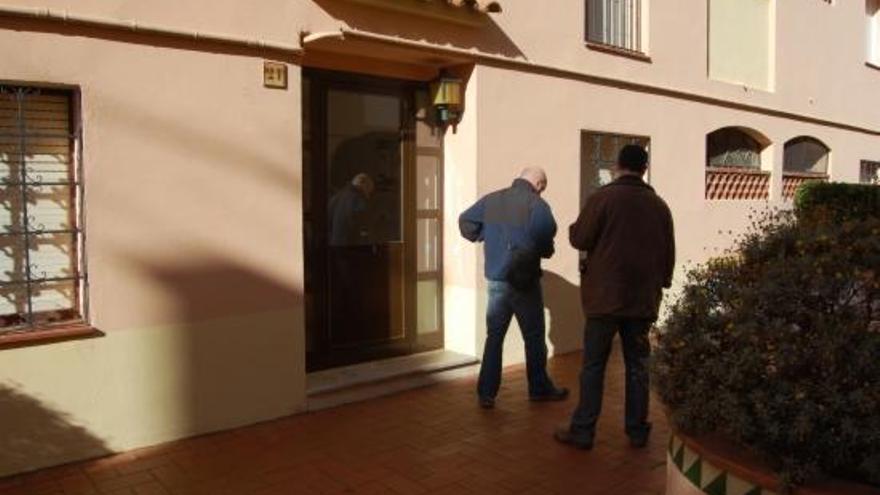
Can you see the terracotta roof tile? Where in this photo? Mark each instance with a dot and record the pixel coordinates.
(486, 6)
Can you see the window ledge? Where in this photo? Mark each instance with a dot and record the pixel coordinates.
(41, 336)
(615, 50)
(872, 65)
(738, 169)
(805, 175)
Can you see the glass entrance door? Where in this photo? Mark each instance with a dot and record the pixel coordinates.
(360, 209)
(365, 208)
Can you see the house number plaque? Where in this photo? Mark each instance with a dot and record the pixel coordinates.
(275, 75)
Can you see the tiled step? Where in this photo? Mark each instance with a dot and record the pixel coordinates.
(359, 382)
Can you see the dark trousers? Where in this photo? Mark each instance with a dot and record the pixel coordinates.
(598, 337)
(528, 307)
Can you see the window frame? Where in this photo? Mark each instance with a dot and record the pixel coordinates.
(33, 332)
(638, 51)
(737, 181)
(793, 179)
(746, 136)
(872, 33)
(795, 141)
(619, 139)
(865, 166)
(732, 73)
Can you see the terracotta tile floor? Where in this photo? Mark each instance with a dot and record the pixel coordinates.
(426, 441)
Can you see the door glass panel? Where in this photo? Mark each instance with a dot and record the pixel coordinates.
(428, 239)
(363, 148)
(427, 182)
(364, 218)
(429, 306)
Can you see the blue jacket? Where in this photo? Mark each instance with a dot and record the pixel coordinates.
(510, 218)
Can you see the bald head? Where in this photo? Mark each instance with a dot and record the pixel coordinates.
(536, 177)
(363, 183)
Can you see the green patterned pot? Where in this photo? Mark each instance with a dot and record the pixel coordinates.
(690, 473)
(713, 466)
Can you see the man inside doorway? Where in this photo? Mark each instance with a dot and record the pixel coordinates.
(347, 212)
(517, 228)
(626, 230)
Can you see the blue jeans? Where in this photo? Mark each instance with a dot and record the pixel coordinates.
(598, 336)
(528, 307)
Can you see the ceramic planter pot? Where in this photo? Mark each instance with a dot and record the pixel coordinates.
(711, 465)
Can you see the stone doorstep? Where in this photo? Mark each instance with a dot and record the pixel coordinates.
(338, 386)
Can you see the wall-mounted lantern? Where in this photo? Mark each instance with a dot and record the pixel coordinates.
(447, 98)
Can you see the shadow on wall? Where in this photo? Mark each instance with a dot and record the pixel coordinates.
(566, 323)
(33, 434)
(241, 350)
(201, 226)
(489, 38)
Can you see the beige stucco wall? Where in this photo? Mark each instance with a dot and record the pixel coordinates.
(461, 260)
(194, 250)
(269, 20)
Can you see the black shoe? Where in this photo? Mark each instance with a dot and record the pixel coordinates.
(640, 439)
(563, 435)
(486, 402)
(638, 443)
(554, 395)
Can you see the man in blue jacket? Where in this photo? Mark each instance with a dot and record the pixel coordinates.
(517, 228)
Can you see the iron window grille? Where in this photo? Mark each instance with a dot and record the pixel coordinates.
(616, 23)
(42, 276)
(870, 173)
(872, 11)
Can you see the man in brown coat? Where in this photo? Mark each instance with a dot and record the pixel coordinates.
(626, 230)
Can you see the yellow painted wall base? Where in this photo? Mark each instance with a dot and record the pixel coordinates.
(147, 386)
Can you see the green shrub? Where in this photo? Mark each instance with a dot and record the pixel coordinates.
(777, 345)
(839, 199)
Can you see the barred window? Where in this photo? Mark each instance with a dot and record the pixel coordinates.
(870, 173)
(872, 13)
(599, 153)
(616, 23)
(42, 279)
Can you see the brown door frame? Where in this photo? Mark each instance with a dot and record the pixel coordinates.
(325, 356)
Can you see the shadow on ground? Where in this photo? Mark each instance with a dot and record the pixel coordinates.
(34, 435)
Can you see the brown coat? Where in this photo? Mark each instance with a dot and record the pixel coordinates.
(626, 230)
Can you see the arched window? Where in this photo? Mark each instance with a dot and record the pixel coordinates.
(733, 147)
(806, 155)
(733, 164)
(806, 159)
